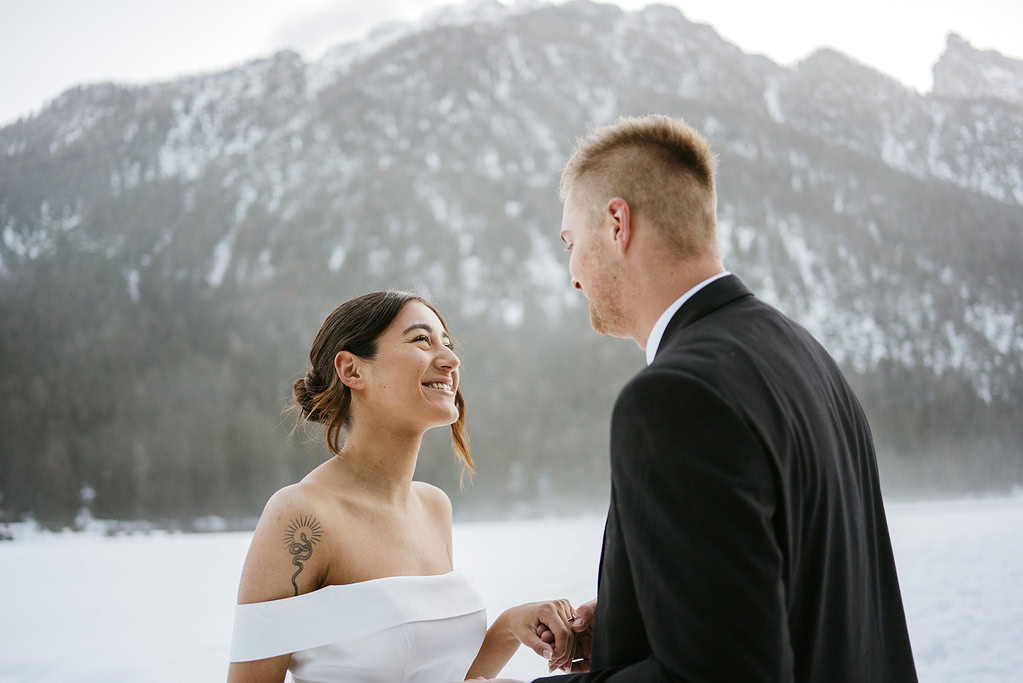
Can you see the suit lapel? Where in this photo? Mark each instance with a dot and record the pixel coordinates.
(603, 545)
(710, 298)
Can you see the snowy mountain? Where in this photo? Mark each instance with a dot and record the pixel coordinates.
(168, 251)
(968, 73)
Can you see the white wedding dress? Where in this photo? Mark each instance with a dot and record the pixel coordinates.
(397, 629)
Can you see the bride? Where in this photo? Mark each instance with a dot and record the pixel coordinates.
(349, 575)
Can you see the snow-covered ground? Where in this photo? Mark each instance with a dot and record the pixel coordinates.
(158, 607)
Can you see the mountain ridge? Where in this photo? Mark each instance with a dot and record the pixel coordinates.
(212, 221)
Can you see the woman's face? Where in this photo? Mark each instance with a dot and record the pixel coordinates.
(415, 373)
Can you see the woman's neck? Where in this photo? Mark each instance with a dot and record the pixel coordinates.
(379, 461)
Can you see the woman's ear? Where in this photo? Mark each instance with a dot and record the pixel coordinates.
(349, 370)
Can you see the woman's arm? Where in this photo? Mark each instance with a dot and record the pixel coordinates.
(286, 558)
(519, 625)
(516, 625)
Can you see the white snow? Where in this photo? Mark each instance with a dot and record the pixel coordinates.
(875, 232)
(444, 106)
(838, 202)
(70, 222)
(131, 276)
(547, 269)
(961, 567)
(337, 61)
(377, 259)
(512, 313)
(13, 240)
(439, 207)
(512, 208)
(772, 99)
(997, 325)
(745, 236)
(1002, 82)
(491, 164)
(337, 258)
(264, 269)
(554, 56)
(221, 260)
(247, 197)
(515, 53)
(158, 607)
(471, 274)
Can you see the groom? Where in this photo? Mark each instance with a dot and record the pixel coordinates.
(746, 538)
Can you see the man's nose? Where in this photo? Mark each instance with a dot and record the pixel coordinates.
(576, 285)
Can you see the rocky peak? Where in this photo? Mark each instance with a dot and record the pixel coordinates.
(966, 72)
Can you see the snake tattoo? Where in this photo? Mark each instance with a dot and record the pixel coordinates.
(302, 534)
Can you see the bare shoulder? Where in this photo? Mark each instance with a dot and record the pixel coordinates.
(438, 510)
(434, 500)
(301, 498)
(286, 556)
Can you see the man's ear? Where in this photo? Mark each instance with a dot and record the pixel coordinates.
(349, 370)
(621, 223)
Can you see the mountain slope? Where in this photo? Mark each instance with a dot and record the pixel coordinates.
(169, 251)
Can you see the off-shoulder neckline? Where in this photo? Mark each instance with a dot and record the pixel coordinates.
(355, 584)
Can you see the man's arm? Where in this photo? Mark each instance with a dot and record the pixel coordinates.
(695, 499)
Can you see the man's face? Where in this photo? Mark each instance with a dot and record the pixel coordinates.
(592, 265)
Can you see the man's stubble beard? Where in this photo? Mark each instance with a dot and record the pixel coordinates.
(607, 312)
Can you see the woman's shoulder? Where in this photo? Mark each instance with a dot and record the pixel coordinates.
(286, 556)
(302, 497)
(300, 508)
(438, 511)
(433, 498)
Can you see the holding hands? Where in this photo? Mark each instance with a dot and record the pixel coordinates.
(582, 628)
(552, 629)
(545, 628)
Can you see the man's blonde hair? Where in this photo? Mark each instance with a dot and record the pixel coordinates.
(662, 167)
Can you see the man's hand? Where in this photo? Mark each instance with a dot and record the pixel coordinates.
(585, 615)
(554, 616)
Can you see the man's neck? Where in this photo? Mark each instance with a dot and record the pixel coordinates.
(658, 290)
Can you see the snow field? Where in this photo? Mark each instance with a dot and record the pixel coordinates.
(158, 607)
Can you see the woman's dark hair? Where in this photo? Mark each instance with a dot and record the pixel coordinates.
(355, 326)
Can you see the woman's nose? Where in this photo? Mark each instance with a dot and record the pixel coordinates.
(448, 359)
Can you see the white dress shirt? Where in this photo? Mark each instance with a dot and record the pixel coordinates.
(654, 340)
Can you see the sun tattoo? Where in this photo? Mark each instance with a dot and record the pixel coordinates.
(302, 534)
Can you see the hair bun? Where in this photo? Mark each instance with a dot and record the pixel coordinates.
(304, 394)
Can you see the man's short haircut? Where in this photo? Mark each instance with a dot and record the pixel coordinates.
(662, 167)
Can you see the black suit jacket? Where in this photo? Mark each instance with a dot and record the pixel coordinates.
(746, 538)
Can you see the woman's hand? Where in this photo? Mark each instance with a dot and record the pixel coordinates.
(522, 625)
(585, 616)
(526, 621)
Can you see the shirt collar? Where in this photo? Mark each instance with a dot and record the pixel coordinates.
(654, 340)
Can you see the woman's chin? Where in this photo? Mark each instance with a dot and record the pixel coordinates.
(450, 420)
(446, 420)
(433, 416)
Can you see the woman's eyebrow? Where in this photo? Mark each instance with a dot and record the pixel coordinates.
(424, 326)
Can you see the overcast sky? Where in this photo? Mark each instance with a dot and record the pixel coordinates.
(49, 45)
